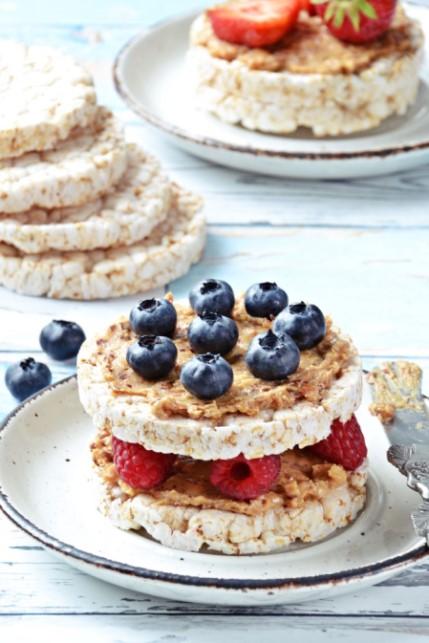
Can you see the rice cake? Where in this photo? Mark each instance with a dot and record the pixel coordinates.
(166, 254)
(44, 95)
(87, 165)
(129, 213)
(300, 82)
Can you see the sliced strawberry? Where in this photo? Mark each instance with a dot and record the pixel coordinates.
(309, 7)
(254, 24)
(345, 445)
(357, 21)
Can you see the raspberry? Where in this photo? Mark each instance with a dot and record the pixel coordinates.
(139, 467)
(345, 445)
(245, 479)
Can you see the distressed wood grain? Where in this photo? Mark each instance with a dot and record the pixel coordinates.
(183, 629)
(358, 248)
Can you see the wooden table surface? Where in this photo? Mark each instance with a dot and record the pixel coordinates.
(358, 248)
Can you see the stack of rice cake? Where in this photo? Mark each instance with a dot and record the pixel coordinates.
(83, 214)
(311, 498)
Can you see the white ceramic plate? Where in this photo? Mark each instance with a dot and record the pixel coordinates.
(150, 75)
(48, 488)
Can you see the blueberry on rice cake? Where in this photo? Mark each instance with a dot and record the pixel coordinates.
(250, 66)
(243, 449)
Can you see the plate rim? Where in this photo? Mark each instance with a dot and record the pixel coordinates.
(58, 546)
(208, 142)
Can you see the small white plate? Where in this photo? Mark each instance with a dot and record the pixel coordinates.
(48, 488)
(150, 75)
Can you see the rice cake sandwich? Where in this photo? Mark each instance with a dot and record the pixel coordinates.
(270, 66)
(165, 254)
(226, 423)
(44, 95)
(87, 165)
(141, 200)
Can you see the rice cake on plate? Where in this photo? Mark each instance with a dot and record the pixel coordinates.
(308, 79)
(162, 453)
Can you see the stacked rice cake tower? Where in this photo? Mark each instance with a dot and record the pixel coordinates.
(244, 453)
(83, 214)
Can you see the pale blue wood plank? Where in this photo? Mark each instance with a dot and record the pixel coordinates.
(374, 284)
(136, 12)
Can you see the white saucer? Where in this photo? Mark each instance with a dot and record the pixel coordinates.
(150, 75)
(48, 488)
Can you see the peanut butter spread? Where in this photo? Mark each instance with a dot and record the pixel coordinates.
(303, 476)
(318, 369)
(310, 48)
(396, 386)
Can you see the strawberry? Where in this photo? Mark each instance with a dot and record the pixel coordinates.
(139, 467)
(356, 21)
(309, 7)
(345, 445)
(245, 479)
(254, 24)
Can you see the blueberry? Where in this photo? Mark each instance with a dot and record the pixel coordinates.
(152, 357)
(61, 339)
(154, 317)
(27, 377)
(212, 333)
(212, 296)
(265, 300)
(207, 376)
(305, 323)
(271, 357)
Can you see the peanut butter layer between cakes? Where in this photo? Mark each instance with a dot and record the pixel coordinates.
(303, 476)
(310, 500)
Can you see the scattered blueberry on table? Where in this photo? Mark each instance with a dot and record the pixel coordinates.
(27, 377)
(61, 339)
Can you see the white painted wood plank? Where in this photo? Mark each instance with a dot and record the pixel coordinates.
(252, 629)
(34, 582)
